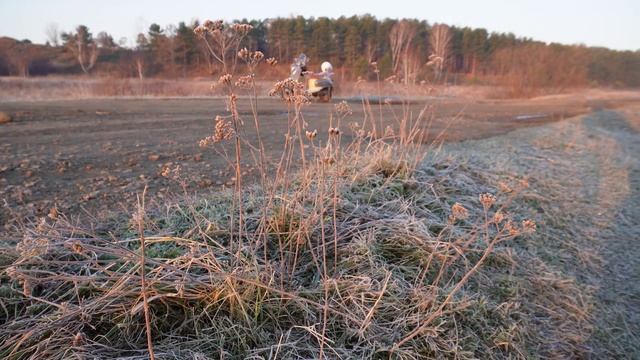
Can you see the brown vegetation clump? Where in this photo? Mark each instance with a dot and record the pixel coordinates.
(370, 254)
(5, 118)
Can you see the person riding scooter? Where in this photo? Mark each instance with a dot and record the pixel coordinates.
(320, 85)
(299, 67)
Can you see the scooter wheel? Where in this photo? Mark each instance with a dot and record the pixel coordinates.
(325, 95)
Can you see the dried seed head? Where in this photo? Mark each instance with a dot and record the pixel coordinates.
(302, 99)
(33, 246)
(12, 272)
(528, 226)
(459, 212)
(168, 172)
(498, 217)
(207, 24)
(75, 246)
(212, 26)
(511, 229)
(42, 225)
(388, 131)
(257, 56)
(232, 105)
(242, 29)
(245, 82)
(243, 54)
(272, 61)
(504, 187)
(329, 160)
(290, 91)
(343, 108)
(311, 134)
(223, 131)
(200, 30)
(78, 339)
(225, 79)
(53, 213)
(26, 287)
(334, 131)
(487, 200)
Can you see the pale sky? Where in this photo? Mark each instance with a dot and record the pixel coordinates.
(610, 23)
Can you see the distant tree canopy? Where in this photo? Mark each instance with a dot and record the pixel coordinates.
(408, 49)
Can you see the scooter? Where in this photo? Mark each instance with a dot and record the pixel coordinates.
(320, 85)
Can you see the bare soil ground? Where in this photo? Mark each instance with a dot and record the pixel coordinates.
(97, 154)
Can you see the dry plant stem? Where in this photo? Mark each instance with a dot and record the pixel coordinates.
(320, 204)
(369, 316)
(335, 198)
(418, 331)
(253, 100)
(215, 55)
(254, 109)
(299, 120)
(147, 318)
(325, 313)
(379, 95)
(238, 188)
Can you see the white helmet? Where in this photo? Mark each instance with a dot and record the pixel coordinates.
(326, 67)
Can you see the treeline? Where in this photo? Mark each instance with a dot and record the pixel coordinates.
(410, 51)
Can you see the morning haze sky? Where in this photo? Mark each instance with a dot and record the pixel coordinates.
(611, 23)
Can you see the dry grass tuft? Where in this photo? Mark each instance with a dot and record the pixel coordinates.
(389, 266)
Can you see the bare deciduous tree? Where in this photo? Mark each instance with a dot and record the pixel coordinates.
(139, 62)
(83, 46)
(139, 55)
(20, 56)
(105, 40)
(439, 39)
(400, 37)
(411, 64)
(52, 32)
(370, 50)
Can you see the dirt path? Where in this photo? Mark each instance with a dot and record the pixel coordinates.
(585, 179)
(97, 154)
